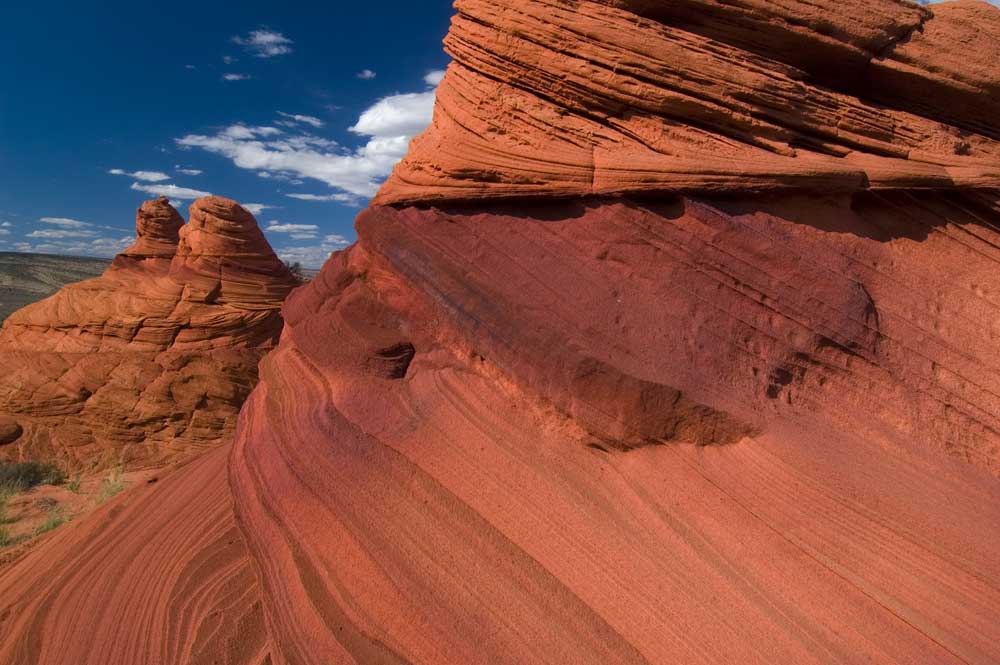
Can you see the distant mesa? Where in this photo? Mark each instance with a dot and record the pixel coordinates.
(151, 361)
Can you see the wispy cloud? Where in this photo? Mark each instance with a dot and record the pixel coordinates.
(366, 74)
(170, 191)
(228, 59)
(236, 77)
(65, 222)
(191, 172)
(277, 227)
(61, 233)
(102, 247)
(301, 119)
(147, 176)
(339, 198)
(257, 208)
(264, 43)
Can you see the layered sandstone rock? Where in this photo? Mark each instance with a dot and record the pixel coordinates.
(687, 354)
(673, 340)
(154, 358)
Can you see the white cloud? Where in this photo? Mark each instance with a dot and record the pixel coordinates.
(235, 77)
(228, 59)
(303, 236)
(4, 232)
(188, 171)
(65, 222)
(61, 233)
(277, 227)
(399, 115)
(434, 78)
(190, 67)
(148, 176)
(313, 256)
(265, 43)
(366, 75)
(170, 191)
(340, 198)
(274, 153)
(101, 247)
(305, 119)
(257, 208)
(6, 224)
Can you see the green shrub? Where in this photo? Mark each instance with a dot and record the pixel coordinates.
(22, 476)
(74, 485)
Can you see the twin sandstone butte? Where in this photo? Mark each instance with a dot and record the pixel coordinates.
(675, 339)
(149, 363)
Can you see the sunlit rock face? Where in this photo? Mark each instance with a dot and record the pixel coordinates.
(152, 360)
(674, 339)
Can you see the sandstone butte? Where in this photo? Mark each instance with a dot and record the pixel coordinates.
(149, 363)
(674, 339)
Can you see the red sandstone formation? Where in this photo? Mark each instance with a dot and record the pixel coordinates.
(153, 358)
(673, 340)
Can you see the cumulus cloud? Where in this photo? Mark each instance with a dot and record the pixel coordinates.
(434, 78)
(295, 153)
(172, 192)
(397, 115)
(277, 227)
(147, 176)
(301, 119)
(366, 75)
(235, 77)
(312, 255)
(265, 43)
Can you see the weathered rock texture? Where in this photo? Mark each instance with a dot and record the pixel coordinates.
(673, 340)
(154, 358)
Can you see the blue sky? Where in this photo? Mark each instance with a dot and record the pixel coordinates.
(297, 110)
(105, 106)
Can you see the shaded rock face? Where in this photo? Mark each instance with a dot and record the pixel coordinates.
(673, 340)
(153, 359)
